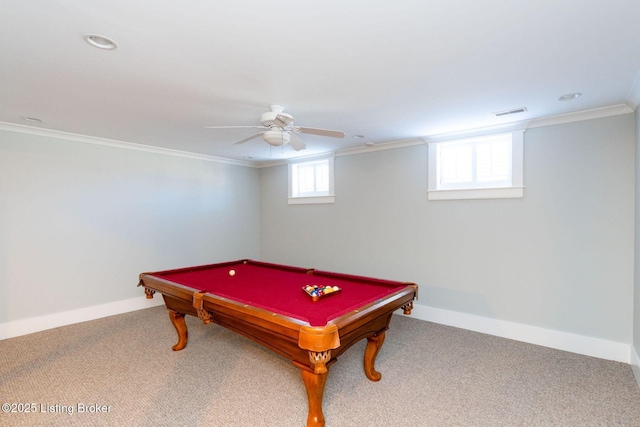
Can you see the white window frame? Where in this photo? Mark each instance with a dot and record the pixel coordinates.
(312, 198)
(475, 190)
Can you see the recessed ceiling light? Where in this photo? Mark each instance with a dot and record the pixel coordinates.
(101, 42)
(247, 157)
(358, 136)
(570, 96)
(369, 144)
(32, 119)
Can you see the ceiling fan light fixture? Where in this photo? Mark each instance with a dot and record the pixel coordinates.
(276, 137)
(279, 130)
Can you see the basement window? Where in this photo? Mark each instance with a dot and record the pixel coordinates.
(311, 182)
(488, 166)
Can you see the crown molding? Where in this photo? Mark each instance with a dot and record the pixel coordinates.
(310, 157)
(634, 94)
(346, 152)
(268, 164)
(12, 127)
(595, 113)
(488, 130)
(613, 110)
(409, 142)
(298, 159)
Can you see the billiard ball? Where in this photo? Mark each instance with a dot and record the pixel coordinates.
(232, 272)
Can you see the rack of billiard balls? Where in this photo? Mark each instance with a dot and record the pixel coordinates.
(316, 292)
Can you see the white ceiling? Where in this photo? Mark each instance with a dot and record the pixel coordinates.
(387, 70)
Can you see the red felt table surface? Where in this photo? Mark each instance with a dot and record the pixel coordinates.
(279, 288)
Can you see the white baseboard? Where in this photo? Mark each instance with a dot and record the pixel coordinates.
(635, 364)
(35, 324)
(588, 346)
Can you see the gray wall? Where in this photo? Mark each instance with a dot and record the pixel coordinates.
(636, 315)
(79, 222)
(561, 258)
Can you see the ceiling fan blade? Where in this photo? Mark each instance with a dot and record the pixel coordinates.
(248, 139)
(322, 132)
(236, 127)
(283, 120)
(296, 143)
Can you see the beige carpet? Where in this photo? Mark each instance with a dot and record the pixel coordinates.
(432, 375)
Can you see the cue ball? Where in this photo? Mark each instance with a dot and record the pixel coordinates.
(232, 272)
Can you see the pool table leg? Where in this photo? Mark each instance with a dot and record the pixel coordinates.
(177, 320)
(314, 383)
(374, 344)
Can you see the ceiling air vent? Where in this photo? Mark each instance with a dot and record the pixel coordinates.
(507, 112)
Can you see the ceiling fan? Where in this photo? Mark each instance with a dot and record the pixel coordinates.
(279, 130)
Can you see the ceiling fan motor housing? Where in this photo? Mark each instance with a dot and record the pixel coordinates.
(268, 119)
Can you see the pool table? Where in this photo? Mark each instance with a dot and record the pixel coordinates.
(268, 303)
